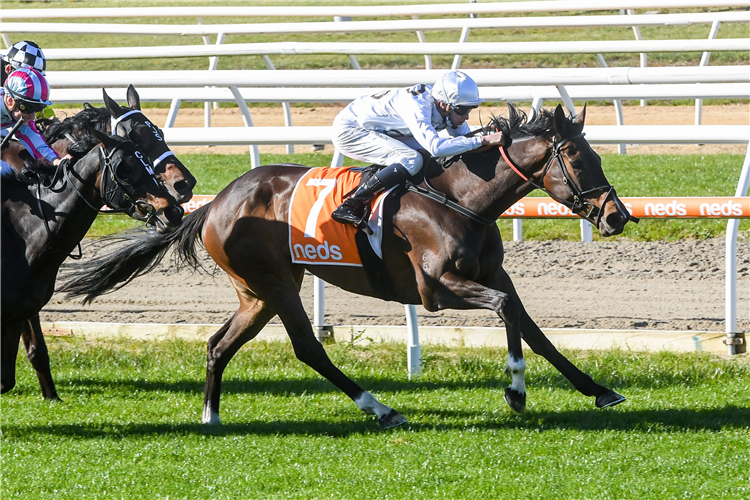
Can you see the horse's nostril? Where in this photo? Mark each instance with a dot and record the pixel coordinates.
(183, 190)
(615, 219)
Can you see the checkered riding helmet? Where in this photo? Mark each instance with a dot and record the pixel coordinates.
(457, 89)
(27, 84)
(26, 54)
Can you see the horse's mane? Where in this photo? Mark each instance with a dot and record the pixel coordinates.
(77, 126)
(518, 123)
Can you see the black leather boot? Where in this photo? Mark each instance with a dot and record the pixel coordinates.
(356, 208)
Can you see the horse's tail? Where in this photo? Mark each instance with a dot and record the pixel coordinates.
(141, 252)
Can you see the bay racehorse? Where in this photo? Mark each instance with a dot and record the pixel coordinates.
(43, 223)
(73, 135)
(443, 255)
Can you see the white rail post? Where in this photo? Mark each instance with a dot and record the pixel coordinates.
(213, 63)
(731, 265)
(587, 232)
(174, 107)
(462, 39)
(414, 350)
(6, 40)
(322, 331)
(704, 62)
(254, 154)
(566, 99)
(621, 148)
(352, 59)
(422, 39)
(284, 105)
(644, 56)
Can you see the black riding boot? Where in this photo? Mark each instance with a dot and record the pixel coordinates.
(356, 208)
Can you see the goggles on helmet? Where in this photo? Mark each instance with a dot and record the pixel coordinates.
(26, 106)
(462, 110)
(30, 107)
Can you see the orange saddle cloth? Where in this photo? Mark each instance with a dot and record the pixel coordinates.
(315, 238)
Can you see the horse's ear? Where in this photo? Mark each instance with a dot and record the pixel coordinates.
(134, 100)
(581, 118)
(560, 120)
(113, 108)
(104, 138)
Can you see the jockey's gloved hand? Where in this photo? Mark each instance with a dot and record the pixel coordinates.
(496, 139)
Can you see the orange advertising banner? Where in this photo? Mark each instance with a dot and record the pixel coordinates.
(646, 208)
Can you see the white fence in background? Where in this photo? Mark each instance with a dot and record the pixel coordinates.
(384, 48)
(419, 26)
(377, 27)
(365, 11)
(533, 85)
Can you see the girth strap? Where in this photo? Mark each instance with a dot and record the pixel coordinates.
(442, 198)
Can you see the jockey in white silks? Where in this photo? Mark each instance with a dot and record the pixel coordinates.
(388, 129)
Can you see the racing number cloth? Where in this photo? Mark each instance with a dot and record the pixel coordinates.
(315, 238)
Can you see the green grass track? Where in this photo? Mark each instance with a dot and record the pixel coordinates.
(129, 427)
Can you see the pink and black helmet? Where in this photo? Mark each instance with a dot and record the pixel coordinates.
(28, 84)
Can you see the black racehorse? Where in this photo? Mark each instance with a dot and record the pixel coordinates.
(445, 255)
(75, 135)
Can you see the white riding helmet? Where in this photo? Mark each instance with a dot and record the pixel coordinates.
(456, 89)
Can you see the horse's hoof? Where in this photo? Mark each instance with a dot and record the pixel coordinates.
(609, 398)
(516, 400)
(211, 418)
(393, 419)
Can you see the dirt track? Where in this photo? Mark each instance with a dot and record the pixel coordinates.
(617, 285)
(621, 285)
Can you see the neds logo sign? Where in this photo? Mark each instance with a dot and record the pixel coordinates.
(553, 209)
(721, 209)
(672, 209)
(516, 209)
(323, 251)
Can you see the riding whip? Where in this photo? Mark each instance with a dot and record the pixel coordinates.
(12, 132)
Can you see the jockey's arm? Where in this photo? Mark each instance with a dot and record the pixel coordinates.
(35, 144)
(419, 121)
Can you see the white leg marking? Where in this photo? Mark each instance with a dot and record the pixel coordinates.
(517, 370)
(368, 404)
(210, 417)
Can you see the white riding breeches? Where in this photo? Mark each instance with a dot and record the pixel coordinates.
(377, 148)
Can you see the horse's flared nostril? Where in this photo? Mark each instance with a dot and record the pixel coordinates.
(182, 191)
(615, 222)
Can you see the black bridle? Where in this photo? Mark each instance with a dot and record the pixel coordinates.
(579, 205)
(117, 192)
